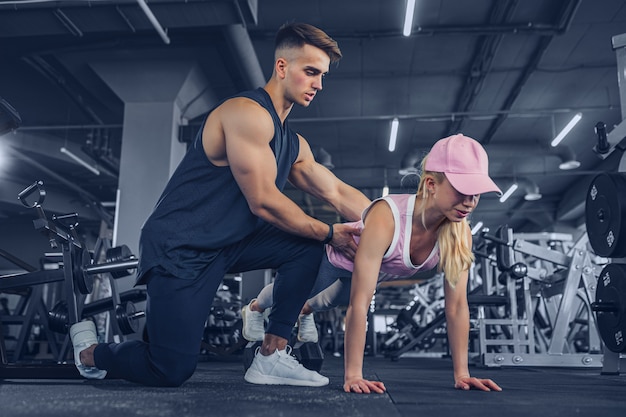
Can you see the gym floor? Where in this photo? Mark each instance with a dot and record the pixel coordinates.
(415, 386)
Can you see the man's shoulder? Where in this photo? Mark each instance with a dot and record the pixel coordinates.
(242, 106)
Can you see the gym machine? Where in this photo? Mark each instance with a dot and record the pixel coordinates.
(605, 218)
(419, 328)
(548, 281)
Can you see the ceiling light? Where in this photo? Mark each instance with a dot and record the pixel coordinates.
(532, 190)
(572, 164)
(532, 196)
(566, 129)
(477, 227)
(408, 17)
(393, 135)
(79, 160)
(508, 192)
(568, 158)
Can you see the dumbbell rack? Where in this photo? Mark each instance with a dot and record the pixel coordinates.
(69, 248)
(76, 277)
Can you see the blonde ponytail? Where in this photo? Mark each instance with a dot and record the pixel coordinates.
(455, 249)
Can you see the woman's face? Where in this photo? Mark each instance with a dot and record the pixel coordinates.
(453, 205)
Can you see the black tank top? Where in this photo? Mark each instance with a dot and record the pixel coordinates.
(202, 208)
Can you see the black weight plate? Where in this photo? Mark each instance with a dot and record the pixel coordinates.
(57, 318)
(611, 289)
(84, 282)
(605, 209)
(124, 314)
(117, 254)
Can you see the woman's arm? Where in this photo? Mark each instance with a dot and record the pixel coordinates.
(457, 319)
(375, 239)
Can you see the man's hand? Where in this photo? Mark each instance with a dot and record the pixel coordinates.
(343, 239)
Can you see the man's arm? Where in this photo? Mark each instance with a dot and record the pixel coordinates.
(247, 130)
(315, 179)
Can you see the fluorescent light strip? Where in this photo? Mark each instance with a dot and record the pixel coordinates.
(80, 161)
(408, 17)
(566, 129)
(477, 227)
(393, 135)
(508, 192)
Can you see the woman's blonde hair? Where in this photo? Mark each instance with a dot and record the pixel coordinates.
(455, 249)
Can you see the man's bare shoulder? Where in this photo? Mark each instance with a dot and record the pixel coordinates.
(240, 117)
(240, 105)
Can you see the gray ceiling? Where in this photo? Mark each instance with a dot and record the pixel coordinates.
(510, 73)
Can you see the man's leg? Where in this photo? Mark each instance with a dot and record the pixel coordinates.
(296, 261)
(176, 312)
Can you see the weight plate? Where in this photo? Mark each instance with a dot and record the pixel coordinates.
(125, 316)
(118, 254)
(84, 282)
(605, 209)
(611, 290)
(57, 318)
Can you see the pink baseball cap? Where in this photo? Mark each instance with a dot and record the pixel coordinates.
(465, 163)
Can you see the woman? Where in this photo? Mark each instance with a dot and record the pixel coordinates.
(401, 235)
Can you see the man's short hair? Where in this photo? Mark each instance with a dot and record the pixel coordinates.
(296, 35)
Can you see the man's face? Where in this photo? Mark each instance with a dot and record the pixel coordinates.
(305, 70)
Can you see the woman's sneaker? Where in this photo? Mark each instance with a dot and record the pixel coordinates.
(280, 368)
(253, 327)
(307, 330)
(83, 335)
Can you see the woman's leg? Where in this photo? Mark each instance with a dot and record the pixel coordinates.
(326, 276)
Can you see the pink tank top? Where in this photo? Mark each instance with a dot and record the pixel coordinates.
(397, 260)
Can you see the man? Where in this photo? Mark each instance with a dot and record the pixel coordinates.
(223, 211)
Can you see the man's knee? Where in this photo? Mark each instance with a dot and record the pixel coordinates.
(175, 369)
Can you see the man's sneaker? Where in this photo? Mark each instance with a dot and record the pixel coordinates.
(83, 335)
(253, 328)
(280, 368)
(307, 330)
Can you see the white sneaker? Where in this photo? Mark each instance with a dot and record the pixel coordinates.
(307, 330)
(280, 368)
(253, 327)
(83, 335)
